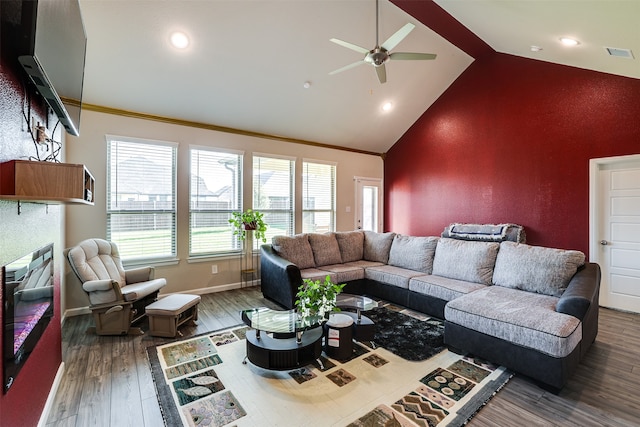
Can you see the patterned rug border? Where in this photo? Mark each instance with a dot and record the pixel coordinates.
(171, 412)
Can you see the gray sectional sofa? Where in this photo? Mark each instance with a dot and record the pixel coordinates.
(531, 309)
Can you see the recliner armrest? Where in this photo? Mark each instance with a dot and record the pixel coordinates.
(99, 285)
(140, 274)
(581, 292)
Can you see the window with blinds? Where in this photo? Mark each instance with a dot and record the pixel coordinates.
(318, 197)
(273, 193)
(141, 198)
(215, 192)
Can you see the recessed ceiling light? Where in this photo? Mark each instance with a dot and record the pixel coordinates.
(179, 40)
(568, 41)
(535, 48)
(306, 85)
(387, 106)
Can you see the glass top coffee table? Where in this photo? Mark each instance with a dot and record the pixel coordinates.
(288, 342)
(364, 328)
(359, 303)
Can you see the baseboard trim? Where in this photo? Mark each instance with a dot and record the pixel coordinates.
(52, 396)
(214, 289)
(79, 311)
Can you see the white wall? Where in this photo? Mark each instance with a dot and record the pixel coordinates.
(90, 148)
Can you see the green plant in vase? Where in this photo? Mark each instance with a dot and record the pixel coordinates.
(317, 298)
(247, 221)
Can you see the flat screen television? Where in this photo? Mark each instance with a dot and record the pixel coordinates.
(27, 307)
(52, 52)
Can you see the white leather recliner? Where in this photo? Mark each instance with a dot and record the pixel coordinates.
(117, 296)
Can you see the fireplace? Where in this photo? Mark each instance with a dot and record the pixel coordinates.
(27, 303)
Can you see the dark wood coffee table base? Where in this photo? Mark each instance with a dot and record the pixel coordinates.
(283, 353)
(363, 328)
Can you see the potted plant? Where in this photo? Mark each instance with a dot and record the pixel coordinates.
(249, 220)
(317, 298)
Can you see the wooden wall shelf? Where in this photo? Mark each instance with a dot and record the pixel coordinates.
(46, 182)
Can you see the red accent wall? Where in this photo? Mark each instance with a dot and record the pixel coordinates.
(22, 233)
(510, 141)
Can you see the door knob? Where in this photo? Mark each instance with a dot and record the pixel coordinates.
(604, 242)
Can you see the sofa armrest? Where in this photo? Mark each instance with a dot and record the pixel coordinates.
(582, 292)
(279, 278)
(137, 275)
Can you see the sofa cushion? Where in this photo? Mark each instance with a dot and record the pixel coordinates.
(412, 252)
(377, 246)
(523, 318)
(390, 275)
(325, 248)
(317, 274)
(442, 287)
(465, 260)
(344, 272)
(295, 249)
(536, 269)
(363, 264)
(351, 245)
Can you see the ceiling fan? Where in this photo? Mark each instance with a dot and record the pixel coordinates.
(380, 54)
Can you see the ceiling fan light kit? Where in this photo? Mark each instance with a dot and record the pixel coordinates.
(380, 54)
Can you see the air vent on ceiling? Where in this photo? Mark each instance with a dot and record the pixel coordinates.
(621, 53)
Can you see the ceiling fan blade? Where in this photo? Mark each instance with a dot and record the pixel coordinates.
(398, 36)
(412, 56)
(350, 46)
(382, 73)
(346, 67)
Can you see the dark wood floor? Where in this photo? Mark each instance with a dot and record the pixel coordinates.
(107, 381)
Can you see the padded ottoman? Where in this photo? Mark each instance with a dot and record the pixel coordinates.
(339, 336)
(167, 314)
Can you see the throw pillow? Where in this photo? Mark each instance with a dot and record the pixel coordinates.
(412, 252)
(377, 246)
(465, 260)
(295, 249)
(325, 249)
(351, 245)
(536, 269)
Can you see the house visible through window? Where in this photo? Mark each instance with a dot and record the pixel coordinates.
(318, 197)
(273, 193)
(141, 197)
(215, 192)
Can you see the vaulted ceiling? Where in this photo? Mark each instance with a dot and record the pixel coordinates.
(248, 61)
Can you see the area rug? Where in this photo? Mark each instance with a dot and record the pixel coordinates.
(412, 336)
(201, 381)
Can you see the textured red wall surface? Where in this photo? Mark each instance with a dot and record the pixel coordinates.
(510, 141)
(19, 234)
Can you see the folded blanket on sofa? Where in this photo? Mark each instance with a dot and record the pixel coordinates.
(486, 232)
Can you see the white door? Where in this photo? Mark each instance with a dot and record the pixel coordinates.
(615, 236)
(368, 204)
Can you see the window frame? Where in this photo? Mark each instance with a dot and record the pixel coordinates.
(111, 213)
(238, 206)
(304, 196)
(291, 212)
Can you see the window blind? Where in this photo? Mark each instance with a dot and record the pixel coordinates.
(318, 197)
(215, 192)
(273, 192)
(141, 197)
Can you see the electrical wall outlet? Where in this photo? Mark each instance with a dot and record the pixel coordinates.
(214, 269)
